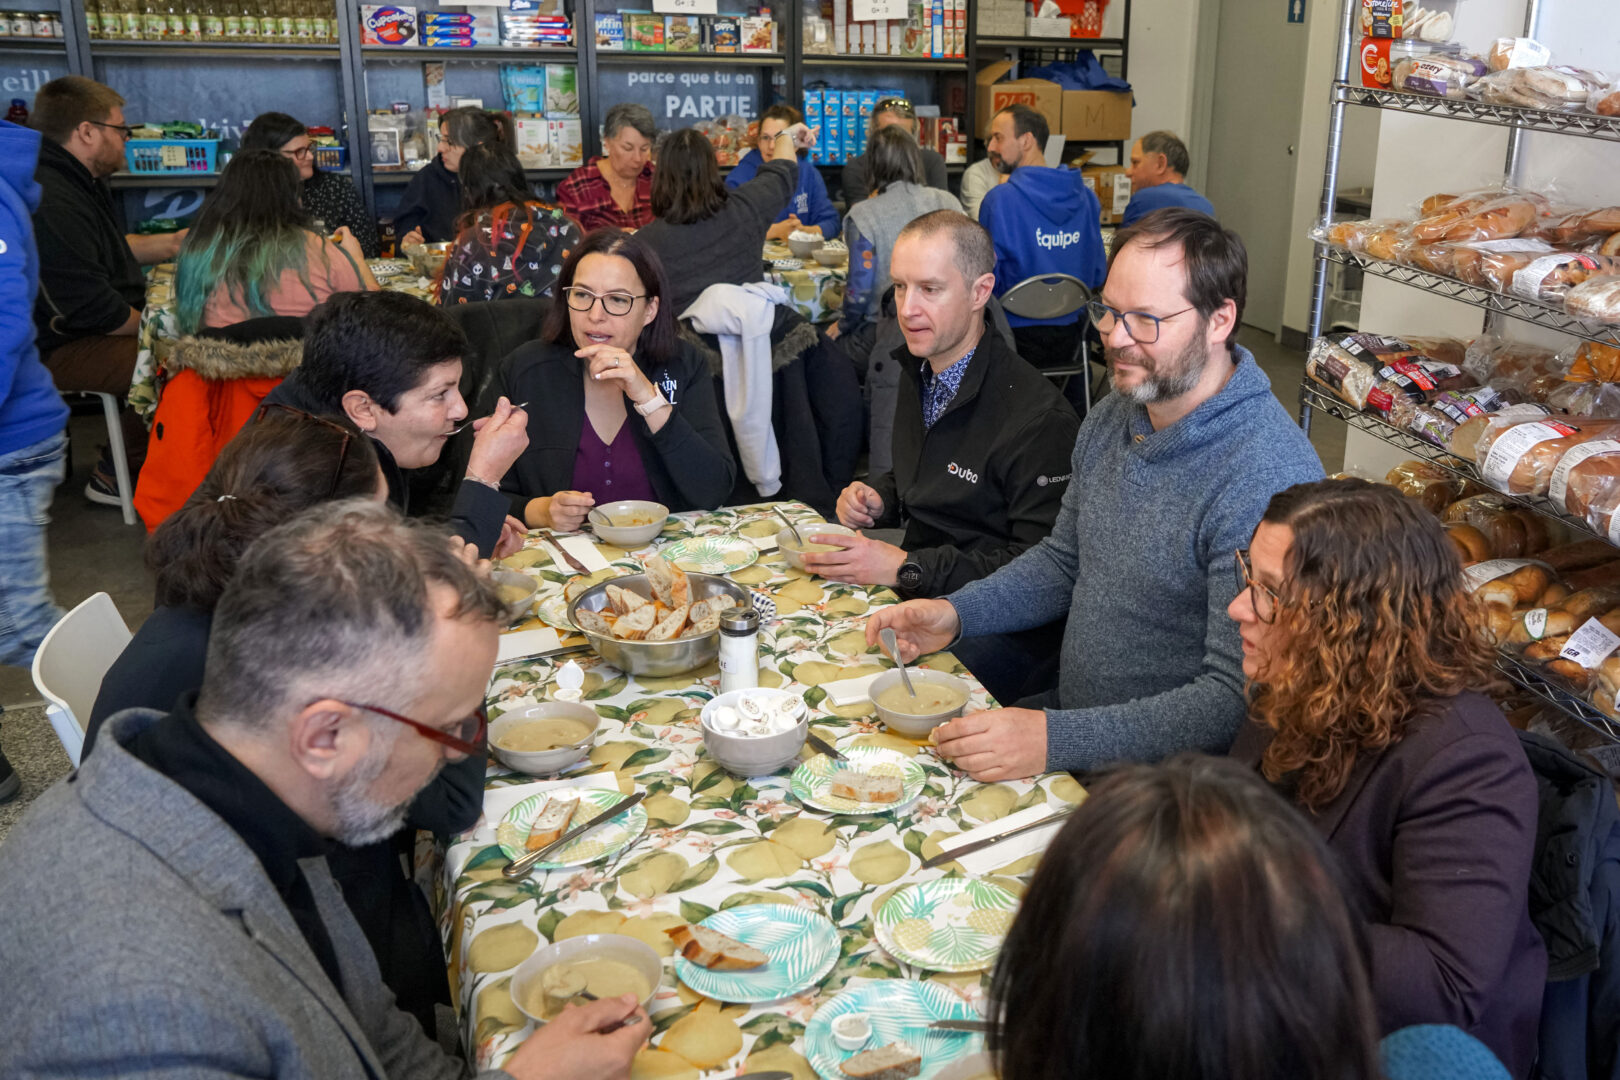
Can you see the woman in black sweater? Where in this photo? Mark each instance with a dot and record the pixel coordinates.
(431, 204)
(620, 407)
(330, 198)
(708, 234)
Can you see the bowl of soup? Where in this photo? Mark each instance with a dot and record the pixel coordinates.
(793, 551)
(545, 738)
(516, 590)
(940, 697)
(603, 965)
(635, 523)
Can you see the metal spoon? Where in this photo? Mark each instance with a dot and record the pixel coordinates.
(469, 423)
(886, 635)
(792, 527)
(595, 514)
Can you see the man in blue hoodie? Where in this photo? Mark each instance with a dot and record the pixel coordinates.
(33, 420)
(810, 207)
(1043, 221)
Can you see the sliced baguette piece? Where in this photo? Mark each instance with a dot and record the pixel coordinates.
(594, 621)
(894, 1061)
(714, 950)
(634, 626)
(866, 787)
(550, 823)
(661, 576)
(624, 601)
(668, 626)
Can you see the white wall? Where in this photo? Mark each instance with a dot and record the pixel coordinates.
(1162, 57)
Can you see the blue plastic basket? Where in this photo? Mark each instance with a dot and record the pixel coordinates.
(331, 157)
(172, 155)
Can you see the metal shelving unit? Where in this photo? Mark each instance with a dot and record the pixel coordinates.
(1496, 305)
(618, 56)
(213, 49)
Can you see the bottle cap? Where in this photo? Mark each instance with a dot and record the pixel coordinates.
(739, 622)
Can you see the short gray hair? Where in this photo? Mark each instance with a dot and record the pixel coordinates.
(1173, 149)
(975, 252)
(628, 114)
(334, 602)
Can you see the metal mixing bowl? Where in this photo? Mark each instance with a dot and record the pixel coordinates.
(656, 658)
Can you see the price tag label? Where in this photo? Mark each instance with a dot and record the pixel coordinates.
(173, 157)
(1591, 644)
(1478, 574)
(686, 7)
(867, 10)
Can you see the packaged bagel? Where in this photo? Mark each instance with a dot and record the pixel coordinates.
(1509, 583)
(1586, 484)
(1520, 458)
(1429, 484)
(1596, 299)
(1548, 88)
(1550, 277)
(1438, 72)
(1511, 532)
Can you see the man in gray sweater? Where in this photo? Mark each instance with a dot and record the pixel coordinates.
(1171, 473)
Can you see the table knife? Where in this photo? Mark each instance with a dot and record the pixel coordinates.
(518, 867)
(567, 556)
(996, 838)
(822, 746)
(960, 1025)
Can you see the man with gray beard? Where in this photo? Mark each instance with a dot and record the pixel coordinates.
(169, 912)
(1172, 472)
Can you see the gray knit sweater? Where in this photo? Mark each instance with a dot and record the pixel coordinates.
(1140, 561)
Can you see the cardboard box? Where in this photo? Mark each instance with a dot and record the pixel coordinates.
(533, 141)
(725, 34)
(643, 32)
(758, 33)
(1112, 184)
(682, 33)
(562, 90)
(1096, 115)
(388, 24)
(567, 145)
(1044, 97)
(609, 31)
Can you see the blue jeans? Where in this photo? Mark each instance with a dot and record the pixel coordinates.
(28, 478)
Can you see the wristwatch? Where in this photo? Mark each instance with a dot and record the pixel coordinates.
(652, 404)
(909, 577)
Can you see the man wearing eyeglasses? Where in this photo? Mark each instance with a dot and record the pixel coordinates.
(197, 930)
(1172, 471)
(91, 288)
(857, 176)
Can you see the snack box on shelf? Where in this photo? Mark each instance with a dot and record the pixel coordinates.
(388, 24)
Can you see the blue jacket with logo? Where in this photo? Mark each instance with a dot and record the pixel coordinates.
(809, 200)
(31, 410)
(1044, 221)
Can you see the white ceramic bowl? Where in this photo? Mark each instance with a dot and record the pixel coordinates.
(621, 947)
(754, 755)
(630, 536)
(543, 762)
(803, 249)
(915, 727)
(795, 557)
(516, 610)
(830, 256)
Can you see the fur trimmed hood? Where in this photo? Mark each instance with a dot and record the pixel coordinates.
(217, 360)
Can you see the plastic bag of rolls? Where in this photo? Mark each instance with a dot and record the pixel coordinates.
(1432, 486)
(1519, 458)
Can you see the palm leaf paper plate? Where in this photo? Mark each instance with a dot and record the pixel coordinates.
(802, 945)
(811, 782)
(710, 554)
(948, 924)
(608, 838)
(897, 1009)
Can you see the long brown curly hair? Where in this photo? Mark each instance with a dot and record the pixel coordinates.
(1373, 630)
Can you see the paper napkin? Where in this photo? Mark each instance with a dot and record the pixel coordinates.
(527, 643)
(994, 857)
(580, 547)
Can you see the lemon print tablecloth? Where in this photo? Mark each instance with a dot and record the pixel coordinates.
(817, 291)
(714, 841)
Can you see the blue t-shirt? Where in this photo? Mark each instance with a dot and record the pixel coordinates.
(1147, 200)
(809, 201)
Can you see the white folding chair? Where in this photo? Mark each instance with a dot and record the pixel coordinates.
(115, 443)
(72, 661)
(1052, 296)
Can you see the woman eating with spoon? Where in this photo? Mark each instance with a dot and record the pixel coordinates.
(623, 408)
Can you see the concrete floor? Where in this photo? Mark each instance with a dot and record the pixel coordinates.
(92, 550)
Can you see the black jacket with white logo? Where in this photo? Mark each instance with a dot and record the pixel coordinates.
(985, 481)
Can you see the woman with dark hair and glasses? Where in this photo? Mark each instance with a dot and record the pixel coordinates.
(709, 234)
(508, 243)
(329, 197)
(620, 406)
(1364, 661)
(281, 462)
(254, 251)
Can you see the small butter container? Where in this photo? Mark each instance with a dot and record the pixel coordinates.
(563, 693)
(851, 1032)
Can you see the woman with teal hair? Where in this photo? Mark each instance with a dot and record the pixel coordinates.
(252, 251)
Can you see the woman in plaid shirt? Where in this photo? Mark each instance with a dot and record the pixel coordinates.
(615, 191)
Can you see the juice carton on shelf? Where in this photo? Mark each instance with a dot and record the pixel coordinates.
(388, 24)
(609, 31)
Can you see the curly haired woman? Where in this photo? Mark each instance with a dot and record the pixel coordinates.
(1364, 667)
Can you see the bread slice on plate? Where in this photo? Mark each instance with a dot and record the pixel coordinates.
(894, 1061)
(866, 787)
(714, 950)
(551, 822)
